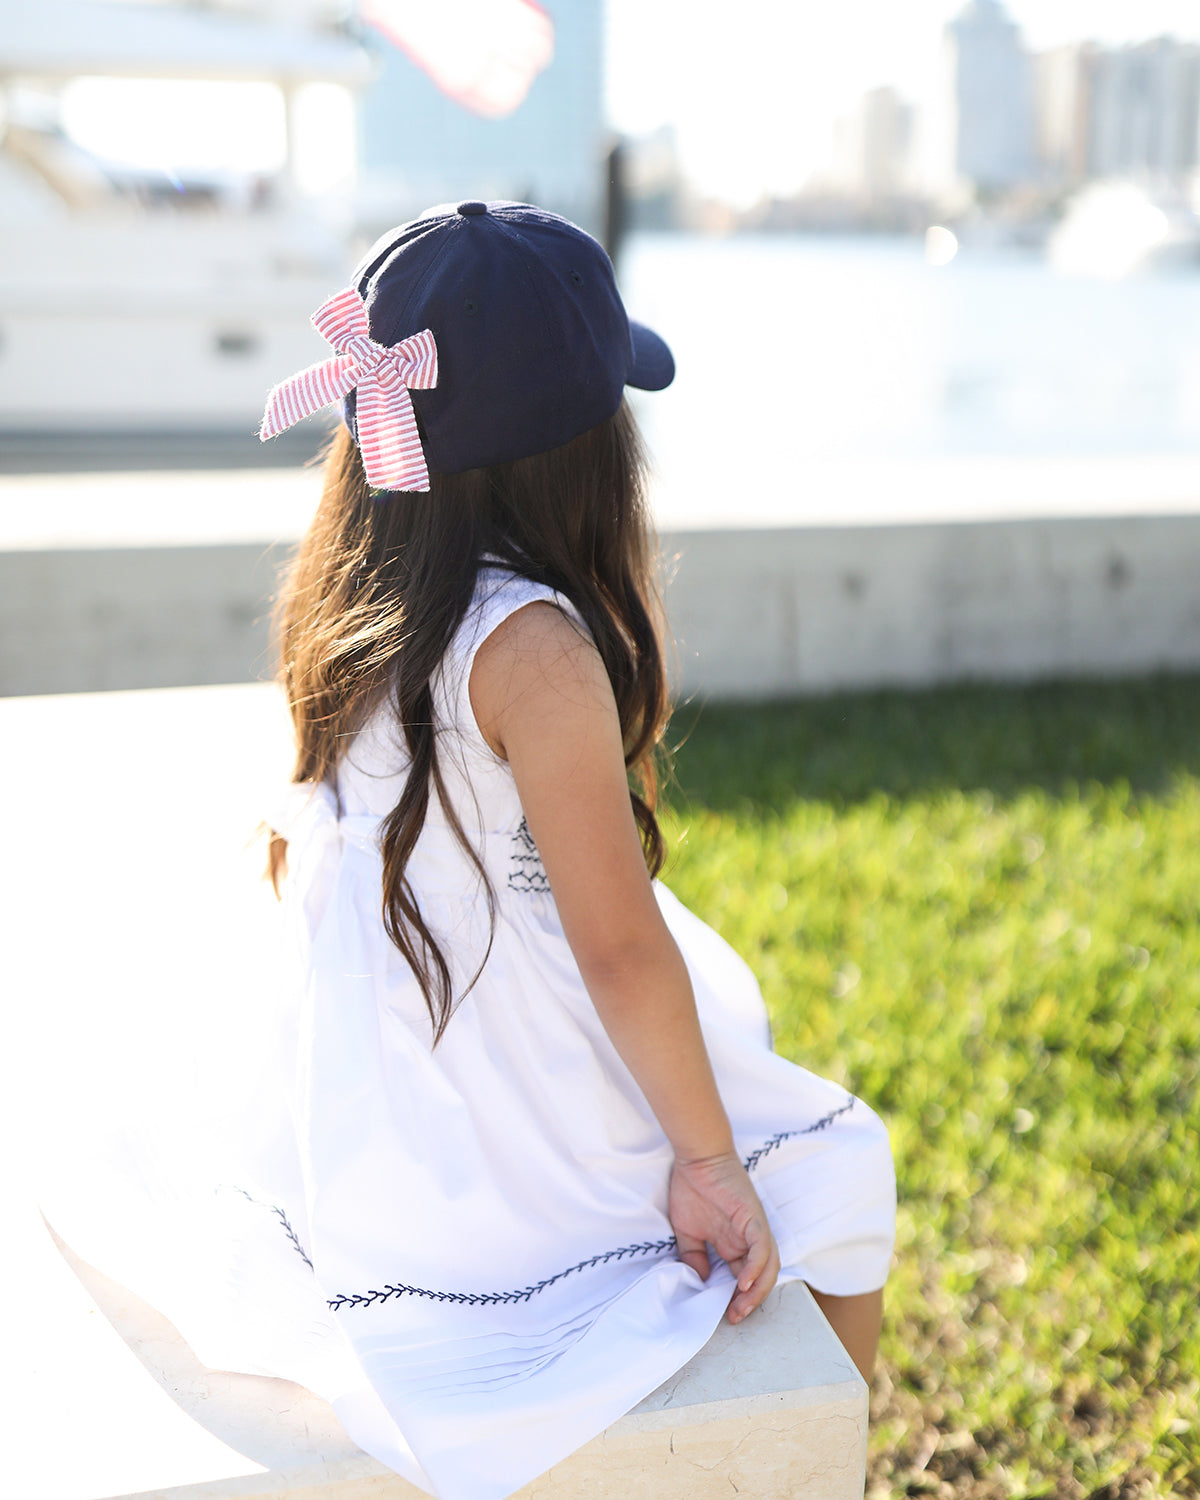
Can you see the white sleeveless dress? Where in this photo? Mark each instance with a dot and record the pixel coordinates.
(466, 1249)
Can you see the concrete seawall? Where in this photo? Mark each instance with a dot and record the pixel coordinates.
(77, 620)
(756, 613)
(760, 613)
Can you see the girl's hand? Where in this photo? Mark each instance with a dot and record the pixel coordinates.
(712, 1202)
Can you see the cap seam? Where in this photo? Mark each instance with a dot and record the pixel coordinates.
(434, 260)
(368, 269)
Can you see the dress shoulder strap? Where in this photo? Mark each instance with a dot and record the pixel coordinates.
(498, 594)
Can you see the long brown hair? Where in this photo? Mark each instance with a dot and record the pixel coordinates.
(381, 583)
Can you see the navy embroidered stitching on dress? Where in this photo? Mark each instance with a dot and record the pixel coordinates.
(525, 871)
(278, 1213)
(823, 1123)
(491, 1299)
(294, 1237)
(523, 1294)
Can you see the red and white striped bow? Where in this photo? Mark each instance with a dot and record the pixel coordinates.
(387, 426)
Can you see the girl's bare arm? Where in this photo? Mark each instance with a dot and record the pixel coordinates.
(543, 701)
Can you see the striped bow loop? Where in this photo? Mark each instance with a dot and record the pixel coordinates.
(383, 376)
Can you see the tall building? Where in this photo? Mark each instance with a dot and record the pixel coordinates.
(872, 147)
(989, 121)
(419, 147)
(1133, 112)
(1144, 114)
(1062, 112)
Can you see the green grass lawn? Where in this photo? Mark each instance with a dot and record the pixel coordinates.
(979, 908)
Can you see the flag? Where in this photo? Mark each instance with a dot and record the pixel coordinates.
(484, 54)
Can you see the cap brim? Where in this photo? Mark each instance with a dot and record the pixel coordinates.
(653, 364)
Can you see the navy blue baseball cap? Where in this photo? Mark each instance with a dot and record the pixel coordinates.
(534, 345)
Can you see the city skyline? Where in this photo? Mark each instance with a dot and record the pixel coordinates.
(789, 75)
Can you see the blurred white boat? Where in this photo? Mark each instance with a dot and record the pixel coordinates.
(1115, 229)
(141, 301)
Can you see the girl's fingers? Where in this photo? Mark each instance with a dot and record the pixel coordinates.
(753, 1292)
(692, 1253)
(759, 1244)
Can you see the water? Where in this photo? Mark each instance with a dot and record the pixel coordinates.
(800, 356)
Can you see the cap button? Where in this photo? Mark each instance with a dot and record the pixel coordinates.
(471, 207)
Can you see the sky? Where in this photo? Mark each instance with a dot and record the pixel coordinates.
(731, 75)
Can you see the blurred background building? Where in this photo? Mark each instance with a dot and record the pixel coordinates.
(988, 100)
(873, 146)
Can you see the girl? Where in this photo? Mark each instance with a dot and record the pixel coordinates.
(536, 1141)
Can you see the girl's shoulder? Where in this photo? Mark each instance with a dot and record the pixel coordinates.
(499, 594)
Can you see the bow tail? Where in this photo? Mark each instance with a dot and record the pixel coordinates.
(388, 437)
(341, 318)
(300, 395)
